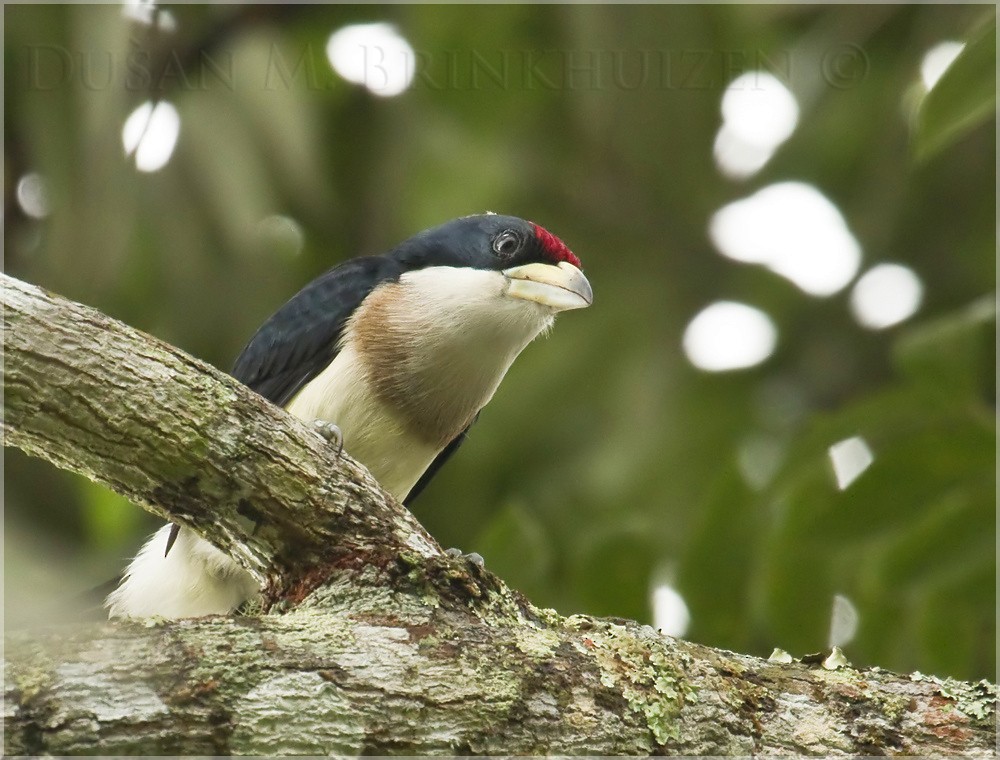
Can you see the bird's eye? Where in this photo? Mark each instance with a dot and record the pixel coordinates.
(507, 243)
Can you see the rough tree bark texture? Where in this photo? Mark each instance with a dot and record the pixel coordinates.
(376, 642)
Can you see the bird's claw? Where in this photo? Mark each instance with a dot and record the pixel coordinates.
(473, 557)
(329, 432)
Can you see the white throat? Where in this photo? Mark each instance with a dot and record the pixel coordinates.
(418, 361)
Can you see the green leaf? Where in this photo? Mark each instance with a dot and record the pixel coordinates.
(954, 354)
(921, 518)
(963, 98)
(718, 563)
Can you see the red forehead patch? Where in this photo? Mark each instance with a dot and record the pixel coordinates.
(554, 247)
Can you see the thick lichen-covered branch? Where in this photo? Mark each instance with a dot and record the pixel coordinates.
(377, 642)
(188, 442)
(395, 676)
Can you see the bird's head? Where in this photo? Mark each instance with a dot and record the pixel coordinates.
(536, 265)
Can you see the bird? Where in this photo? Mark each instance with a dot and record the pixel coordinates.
(392, 357)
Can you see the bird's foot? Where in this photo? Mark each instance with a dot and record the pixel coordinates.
(330, 433)
(473, 557)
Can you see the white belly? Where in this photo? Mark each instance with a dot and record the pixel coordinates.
(372, 435)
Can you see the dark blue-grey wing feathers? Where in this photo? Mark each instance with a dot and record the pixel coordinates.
(301, 339)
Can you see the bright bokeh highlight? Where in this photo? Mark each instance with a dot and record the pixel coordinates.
(937, 60)
(145, 12)
(727, 335)
(795, 231)
(844, 620)
(150, 134)
(759, 113)
(850, 458)
(32, 195)
(737, 159)
(886, 295)
(670, 612)
(374, 56)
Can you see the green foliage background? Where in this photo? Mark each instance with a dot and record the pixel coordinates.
(605, 460)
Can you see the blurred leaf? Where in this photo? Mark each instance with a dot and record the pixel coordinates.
(951, 625)
(922, 512)
(964, 97)
(920, 516)
(717, 565)
(954, 354)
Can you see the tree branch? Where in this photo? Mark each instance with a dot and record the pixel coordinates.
(391, 647)
(190, 444)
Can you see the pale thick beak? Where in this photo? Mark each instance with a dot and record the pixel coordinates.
(559, 286)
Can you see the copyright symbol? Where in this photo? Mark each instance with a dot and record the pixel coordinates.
(844, 66)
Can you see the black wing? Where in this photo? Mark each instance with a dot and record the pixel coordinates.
(438, 463)
(301, 339)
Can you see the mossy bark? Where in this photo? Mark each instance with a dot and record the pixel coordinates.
(375, 641)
